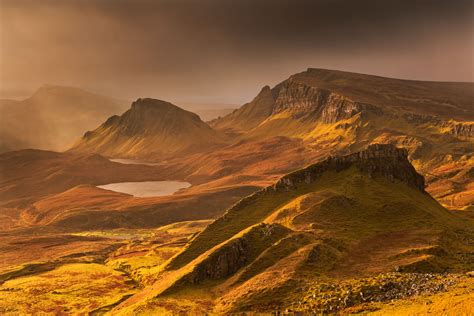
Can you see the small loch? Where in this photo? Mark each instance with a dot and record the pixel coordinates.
(146, 188)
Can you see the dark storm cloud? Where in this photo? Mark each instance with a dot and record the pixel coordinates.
(224, 50)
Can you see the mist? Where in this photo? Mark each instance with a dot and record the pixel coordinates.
(225, 51)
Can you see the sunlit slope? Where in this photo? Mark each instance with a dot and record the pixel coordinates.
(313, 88)
(345, 217)
(339, 112)
(151, 128)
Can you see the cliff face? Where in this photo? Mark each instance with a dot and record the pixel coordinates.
(330, 96)
(296, 99)
(382, 160)
(226, 261)
(465, 129)
(320, 104)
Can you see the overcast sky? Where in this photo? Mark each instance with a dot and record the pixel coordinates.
(226, 50)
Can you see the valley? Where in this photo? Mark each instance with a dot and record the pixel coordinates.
(329, 192)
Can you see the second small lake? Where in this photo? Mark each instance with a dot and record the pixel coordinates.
(146, 188)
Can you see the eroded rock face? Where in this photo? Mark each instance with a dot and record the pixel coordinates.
(383, 160)
(226, 261)
(303, 100)
(463, 129)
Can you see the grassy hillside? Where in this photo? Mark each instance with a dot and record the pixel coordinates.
(360, 215)
(319, 112)
(149, 129)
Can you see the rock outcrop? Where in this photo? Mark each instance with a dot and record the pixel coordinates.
(226, 261)
(384, 160)
(465, 129)
(302, 100)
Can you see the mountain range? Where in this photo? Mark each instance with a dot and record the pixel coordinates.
(305, 118)
(331, 192)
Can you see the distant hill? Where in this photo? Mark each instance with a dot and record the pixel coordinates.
(53, 117)
(346, 217)
(150, 128)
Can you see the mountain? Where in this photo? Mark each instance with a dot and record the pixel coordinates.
(250, 114)
(330, 96)
(149, 129)
(344, 218)
(52, 118)
(323, 112)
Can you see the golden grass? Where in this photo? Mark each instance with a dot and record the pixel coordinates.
(69, 289)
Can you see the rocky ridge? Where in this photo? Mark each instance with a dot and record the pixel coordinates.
(383, 160)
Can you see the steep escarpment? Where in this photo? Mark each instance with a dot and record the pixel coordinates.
(447, 100)
(378, 160)
(330, 96)
(304, 101)
(296, 100)
(151, 128)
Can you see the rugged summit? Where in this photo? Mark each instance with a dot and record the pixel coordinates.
(150, 128)
(377, 160)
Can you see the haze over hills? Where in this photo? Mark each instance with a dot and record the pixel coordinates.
(53, 117)
(345, 217)
(150, 129)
